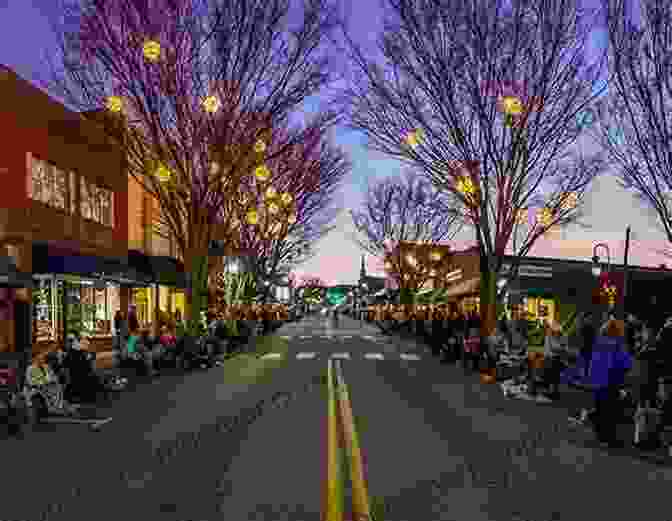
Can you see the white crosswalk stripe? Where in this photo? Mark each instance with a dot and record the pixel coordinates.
(368, 337)
(306, 336)
(303, 356)
(346, 336)
(341, 355)
(285, 337)
(271, 356)
(409, 356)
(327, 336)
(374, 356)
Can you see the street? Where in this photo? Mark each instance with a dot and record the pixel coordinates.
(251, 441)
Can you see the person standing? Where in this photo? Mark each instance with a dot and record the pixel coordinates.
(609, 364)
(588, 334)
(555, 348)
(438, 331)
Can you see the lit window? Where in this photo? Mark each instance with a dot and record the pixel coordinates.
(48, 184)
(96, 203)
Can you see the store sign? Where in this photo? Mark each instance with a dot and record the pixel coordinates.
(530, 270)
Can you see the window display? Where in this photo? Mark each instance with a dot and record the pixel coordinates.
(89, 310)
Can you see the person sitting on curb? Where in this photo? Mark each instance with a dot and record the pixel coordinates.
(43, 382)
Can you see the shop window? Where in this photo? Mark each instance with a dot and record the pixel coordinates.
(49, 184)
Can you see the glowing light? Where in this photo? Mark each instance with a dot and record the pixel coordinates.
(260, 147)
(291, 219)
(512, 105)
(262, 173)
(286, 198)
(163, 174)
(114, 104)
(465, 185)
(252, 217)
(545, 217)
(570, 201)
(273, 208)
(436, 256)
(271, 193)
(432, 273)
(214, 168)
(211, 104)
(388, 266)
(151, 49)
(411, 260)
(412, 139)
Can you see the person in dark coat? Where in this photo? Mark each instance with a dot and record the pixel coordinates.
(588, 335)
(609, 364)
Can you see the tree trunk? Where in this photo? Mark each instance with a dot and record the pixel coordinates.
(488, 297)
(196, 265)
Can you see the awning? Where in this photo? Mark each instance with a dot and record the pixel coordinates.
(466, 287)
(156, 269)
(46, 261)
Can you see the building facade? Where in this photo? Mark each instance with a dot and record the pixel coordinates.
(63, 219)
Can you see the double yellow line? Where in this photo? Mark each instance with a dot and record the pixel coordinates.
(340, 408)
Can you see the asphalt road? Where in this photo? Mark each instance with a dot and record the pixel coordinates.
(248, 442)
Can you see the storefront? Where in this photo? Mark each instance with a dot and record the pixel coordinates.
(163, 288)
(73, 292)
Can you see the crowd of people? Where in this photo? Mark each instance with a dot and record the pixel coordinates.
(608, 349)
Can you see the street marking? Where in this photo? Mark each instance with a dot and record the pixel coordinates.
(409, 356)
(334, 484)
(97, 425)
(327, 336)
(301, 356)
(360, 497)
(368, 337)
(346, 336)
(341, 355)
(271, 356)
(306, 336)
(374, 356)
(286, 337)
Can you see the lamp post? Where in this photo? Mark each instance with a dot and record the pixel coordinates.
(597, 271)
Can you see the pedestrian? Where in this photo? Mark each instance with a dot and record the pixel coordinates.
(133, 321)
(588, 335)
(555, 349)
(609, 364)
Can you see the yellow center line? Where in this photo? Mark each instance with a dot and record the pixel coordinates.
(334, 492)
(360, 497)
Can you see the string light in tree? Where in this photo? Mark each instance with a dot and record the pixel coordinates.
(114, 104)
(271, 193)
(413, 138)
(286, 198)
(151, 50)
(162, 173)
(273, 208)
(260, 146)
(211, 104)
(545, 217)
(262, 173)
(436, 256)
(252, 217)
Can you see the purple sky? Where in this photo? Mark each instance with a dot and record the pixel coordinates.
(338, 258)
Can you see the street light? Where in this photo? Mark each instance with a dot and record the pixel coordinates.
(597, 270)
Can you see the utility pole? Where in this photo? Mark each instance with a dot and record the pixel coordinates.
(625, 272)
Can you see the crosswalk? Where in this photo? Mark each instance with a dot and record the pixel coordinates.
(370, 338)
(311, 355)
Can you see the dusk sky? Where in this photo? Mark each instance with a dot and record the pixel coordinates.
(25, 36)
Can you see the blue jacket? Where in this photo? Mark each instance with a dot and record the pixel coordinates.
(609, 363)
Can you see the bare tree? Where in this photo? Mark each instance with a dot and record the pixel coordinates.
(638, 134)
(312, 172)
(481, 96)
(190, 88)
(398, 213)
